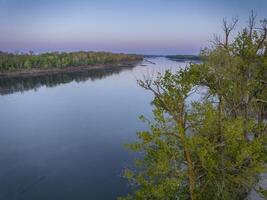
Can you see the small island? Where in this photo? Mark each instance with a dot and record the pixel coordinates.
(183, 57)
(30, 64)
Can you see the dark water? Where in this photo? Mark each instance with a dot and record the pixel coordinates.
(61, 137)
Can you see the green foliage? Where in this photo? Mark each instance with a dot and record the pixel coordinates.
(213, 149)
(10, 61)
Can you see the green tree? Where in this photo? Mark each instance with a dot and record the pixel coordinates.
(214, 148)
(27, 64)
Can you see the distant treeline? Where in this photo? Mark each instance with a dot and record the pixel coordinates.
(20, 61)
(183, 57)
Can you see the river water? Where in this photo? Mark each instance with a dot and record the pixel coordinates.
(62, 136)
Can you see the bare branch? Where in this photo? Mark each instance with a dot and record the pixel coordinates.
(264, 33)
(251, 23)
(227, 28)
(216, 40)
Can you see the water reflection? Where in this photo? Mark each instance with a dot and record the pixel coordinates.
(21, 84)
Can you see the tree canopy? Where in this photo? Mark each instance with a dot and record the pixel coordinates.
(214, 148)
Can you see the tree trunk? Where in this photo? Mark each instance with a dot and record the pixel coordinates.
(190, 168)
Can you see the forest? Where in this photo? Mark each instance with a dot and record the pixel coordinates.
(26, 61)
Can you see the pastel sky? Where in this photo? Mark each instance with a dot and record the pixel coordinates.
(130, 26)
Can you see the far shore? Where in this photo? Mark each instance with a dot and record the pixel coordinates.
(51, 71)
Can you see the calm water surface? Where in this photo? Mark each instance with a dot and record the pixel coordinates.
(61, 137)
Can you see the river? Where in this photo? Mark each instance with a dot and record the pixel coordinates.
(62, 136)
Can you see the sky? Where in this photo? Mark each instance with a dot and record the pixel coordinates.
(128, 26)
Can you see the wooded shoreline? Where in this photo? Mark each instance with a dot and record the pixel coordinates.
(30, 64)
(50, 71)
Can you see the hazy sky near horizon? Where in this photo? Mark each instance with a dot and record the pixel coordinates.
(130, 26)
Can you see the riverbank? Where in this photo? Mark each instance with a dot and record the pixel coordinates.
(50, 71)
